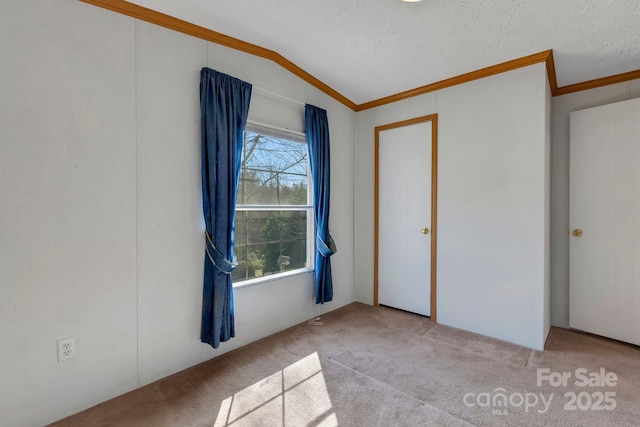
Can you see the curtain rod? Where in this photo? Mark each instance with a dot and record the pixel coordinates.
(277, 95)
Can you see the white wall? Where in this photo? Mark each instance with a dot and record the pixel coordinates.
(67, 208)
(562, 106)
(491, 202)
(100, 220)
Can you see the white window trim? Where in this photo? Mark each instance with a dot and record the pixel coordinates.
(272, 278)
(268, 130)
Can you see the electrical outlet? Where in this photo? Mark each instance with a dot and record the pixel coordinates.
(66, 349)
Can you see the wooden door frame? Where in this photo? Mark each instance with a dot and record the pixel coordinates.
(433, 118)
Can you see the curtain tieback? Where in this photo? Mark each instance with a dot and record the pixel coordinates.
(219, 260)
(325, 249)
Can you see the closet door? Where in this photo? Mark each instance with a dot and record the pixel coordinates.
(604, 230)
(404, 231)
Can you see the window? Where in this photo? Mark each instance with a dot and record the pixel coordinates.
(274, 210)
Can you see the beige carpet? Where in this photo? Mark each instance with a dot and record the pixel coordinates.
(369, 366)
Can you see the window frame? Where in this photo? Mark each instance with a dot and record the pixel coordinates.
(294, 136)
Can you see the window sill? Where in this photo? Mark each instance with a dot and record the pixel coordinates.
(271, 278)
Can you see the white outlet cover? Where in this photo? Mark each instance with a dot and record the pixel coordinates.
(66, 349)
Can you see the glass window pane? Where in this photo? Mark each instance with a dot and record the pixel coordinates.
(273, 171)
(269, 242)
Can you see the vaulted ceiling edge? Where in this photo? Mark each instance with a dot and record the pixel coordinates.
(167, 21)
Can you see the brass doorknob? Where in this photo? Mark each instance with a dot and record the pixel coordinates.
(577, 232)
(424, 230)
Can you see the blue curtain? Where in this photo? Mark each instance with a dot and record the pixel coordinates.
(317, 129)
(224, 105)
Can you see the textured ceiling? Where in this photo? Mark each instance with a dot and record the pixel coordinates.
(369, 49)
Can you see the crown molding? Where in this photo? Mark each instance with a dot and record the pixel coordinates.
(166, 21)
(551, 73)
(463, 78)
(592, 84)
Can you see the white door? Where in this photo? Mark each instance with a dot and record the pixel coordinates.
(605, 221)
(404, 216)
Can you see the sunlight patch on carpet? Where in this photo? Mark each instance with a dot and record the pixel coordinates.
(295, 395)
